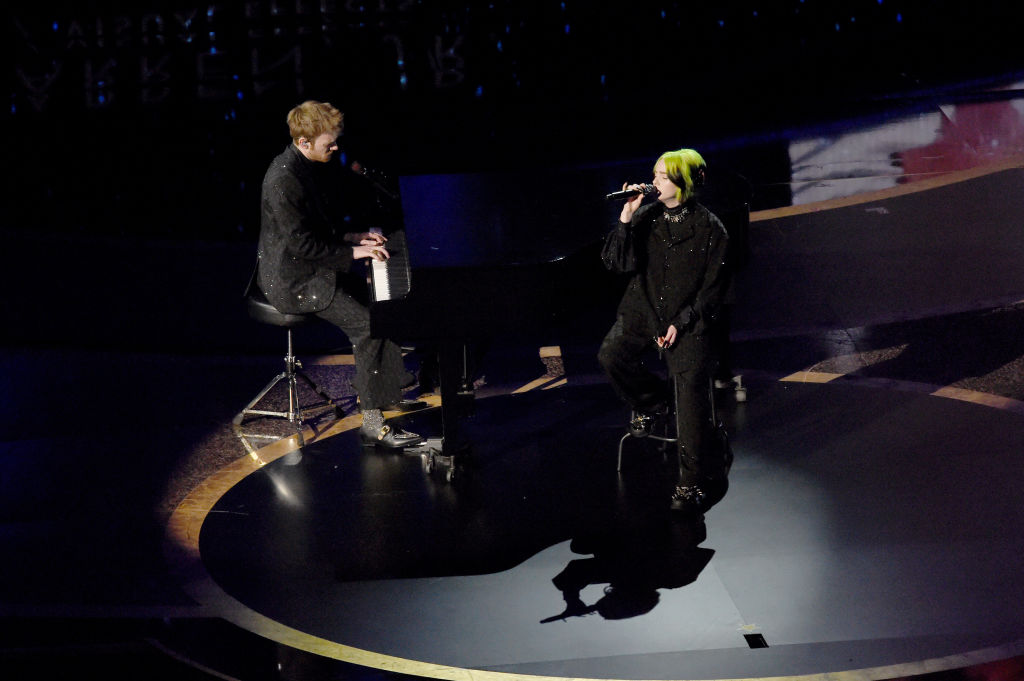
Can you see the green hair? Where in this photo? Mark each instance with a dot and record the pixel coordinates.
(685, 167)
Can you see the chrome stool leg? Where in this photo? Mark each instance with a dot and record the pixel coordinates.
(296, 413)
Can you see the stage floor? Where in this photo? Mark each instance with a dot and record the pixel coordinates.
(866, 527)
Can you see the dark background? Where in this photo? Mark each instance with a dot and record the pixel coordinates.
(158, 118)
(139, 133)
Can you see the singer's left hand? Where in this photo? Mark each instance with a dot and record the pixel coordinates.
(669, 339)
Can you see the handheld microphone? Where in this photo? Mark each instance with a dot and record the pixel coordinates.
(644, 189)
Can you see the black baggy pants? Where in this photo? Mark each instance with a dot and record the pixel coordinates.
(624, 357)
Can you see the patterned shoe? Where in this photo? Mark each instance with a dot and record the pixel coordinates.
(389, 437)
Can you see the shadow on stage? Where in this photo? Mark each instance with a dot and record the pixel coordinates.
(541, 470)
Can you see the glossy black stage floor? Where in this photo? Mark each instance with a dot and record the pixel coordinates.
(867, 526)
(871, 530)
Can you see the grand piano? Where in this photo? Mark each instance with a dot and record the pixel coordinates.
(498, 255)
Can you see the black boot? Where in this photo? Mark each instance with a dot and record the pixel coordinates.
(641, 425)
(690, 500)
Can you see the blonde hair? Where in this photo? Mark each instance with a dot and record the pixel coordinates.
(312, 119)
(685, 167)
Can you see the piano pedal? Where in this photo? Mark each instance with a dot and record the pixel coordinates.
(429, 446)
(406, 405)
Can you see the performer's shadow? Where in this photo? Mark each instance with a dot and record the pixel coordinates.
(634, 564)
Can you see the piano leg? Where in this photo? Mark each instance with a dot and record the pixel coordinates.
(454, 378)
(452, 375)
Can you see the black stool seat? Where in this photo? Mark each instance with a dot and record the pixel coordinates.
(263, 312)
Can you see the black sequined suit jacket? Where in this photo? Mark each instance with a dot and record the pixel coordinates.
(689, 283)
(300, 252)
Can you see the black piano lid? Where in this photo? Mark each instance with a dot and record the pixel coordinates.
(515, 218)
(511, 218)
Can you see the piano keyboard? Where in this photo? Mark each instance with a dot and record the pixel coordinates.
(390, 279)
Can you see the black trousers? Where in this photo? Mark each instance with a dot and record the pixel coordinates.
(380, 371)
(625, 356)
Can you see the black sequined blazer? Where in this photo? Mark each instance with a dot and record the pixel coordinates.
(299, 253)
(693, 280)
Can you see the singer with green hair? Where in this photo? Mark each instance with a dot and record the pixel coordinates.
(675, 250)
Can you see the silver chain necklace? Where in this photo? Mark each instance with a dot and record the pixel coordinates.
(677, 217)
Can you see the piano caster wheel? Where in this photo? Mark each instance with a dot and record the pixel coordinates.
(430, 463)
(450, 475)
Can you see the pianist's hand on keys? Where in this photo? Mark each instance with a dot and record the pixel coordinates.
(371, 238)
(375, 251)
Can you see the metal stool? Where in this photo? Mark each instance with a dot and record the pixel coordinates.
(670, 417)
(262, 311)
(666, 438)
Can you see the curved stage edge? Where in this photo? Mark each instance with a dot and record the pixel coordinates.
(876, 511)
